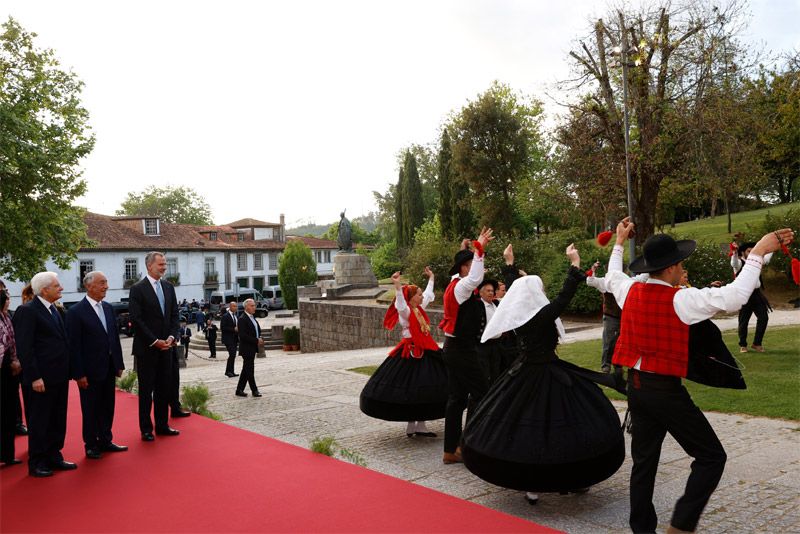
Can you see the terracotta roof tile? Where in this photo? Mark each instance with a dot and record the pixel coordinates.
(314, 242)
(246, 223)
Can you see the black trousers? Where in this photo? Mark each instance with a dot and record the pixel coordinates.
(231, 358)
(47, 424)
(758, 305)
(97, 407)
(9, 389)
(467, 384)
(490, 354)
(611, 327)
(212, 347)
(175, 382)
(248, 374)
(660, 404)
(155, 375)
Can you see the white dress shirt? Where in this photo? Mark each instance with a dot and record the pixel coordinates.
(97, 306)
(490, 309)
(467, 285)
(404, 311)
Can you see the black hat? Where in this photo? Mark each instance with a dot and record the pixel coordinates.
(488, 281)
(461, 257)
(744, 246)
(660, 251)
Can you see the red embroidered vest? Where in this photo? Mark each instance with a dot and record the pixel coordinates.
(651, 330)
(448, 322)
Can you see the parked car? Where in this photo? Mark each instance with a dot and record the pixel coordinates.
(223, 298)
(124, 323)
(273, 297)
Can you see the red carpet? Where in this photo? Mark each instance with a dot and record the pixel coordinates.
(217, 478)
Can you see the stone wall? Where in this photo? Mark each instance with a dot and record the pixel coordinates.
(344, 325)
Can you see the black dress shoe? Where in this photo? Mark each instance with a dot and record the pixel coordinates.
(181, 413)
(113, 447)
(425, 434)
(241, 393)
(167, 432)
(148, 436)
(230, 375)
(94, 454)
(21, 430)
(63, 465)
(256, 394)
(40, 472)
(12, 461)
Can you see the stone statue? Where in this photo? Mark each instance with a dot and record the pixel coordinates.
(345, 234)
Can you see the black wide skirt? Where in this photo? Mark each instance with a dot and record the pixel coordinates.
(407, 389)
(544, 428)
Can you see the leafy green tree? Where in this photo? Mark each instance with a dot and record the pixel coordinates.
(445, 196)
(496, 143)
(428, 169)
(182, 205)
(359, 235)
(413, 208)
(296, 268)
(461, 208)
(44, 133)
(386, 225)
(399, 219)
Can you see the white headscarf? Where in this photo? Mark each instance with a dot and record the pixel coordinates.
(523, 301)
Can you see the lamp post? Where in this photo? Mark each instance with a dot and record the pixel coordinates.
(622, 52)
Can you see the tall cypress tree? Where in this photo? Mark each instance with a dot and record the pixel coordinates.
(445, 200)
(398, 210)
(413, 205)
(461, 209)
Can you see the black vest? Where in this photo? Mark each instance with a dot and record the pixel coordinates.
(471, 319)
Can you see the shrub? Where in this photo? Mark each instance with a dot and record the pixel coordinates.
(709, 262)
(291, 335)
(296, 268)
(128, 382)
(790, 219)
(385, 260)
(195, 398)
(329, 447)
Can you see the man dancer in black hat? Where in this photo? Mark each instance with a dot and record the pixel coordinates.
(757, 303)
(466, 380)
(654, 345)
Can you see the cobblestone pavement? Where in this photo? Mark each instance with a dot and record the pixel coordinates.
(311, 395)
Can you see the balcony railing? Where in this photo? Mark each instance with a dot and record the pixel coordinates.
(174, 279)
(211, 277)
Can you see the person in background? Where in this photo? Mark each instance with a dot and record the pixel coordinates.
(250, 341)
(757, 304)
(10, 369)
(211, 336)
(229, 324)
(185, 335)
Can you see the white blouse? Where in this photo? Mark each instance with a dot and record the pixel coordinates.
(404, 311)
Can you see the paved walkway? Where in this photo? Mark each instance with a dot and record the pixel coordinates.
(311, 395)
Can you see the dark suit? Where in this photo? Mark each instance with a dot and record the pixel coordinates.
(96, 353)
(153, 365)
(229, 338)
(249, 335)
(43, 353)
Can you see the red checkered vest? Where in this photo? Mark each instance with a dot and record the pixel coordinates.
(651, 330)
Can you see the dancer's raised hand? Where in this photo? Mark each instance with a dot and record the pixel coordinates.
(573, 255)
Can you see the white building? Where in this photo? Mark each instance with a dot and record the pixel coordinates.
(200, 259)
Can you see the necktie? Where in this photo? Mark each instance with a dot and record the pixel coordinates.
(101, 314)
(235, 322)
(56, 316)
(160, 295)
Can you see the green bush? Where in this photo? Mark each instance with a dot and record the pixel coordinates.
(790, 219)
(329, 447)
(291, 335)
(128, 382)
(296, 268)
(385, 260)
(195, 398)
(709, 262)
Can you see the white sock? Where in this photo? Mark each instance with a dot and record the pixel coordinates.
(532, 496)
(421, 427)
(410, 427)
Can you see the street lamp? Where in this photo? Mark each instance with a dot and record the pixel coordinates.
(622, 52)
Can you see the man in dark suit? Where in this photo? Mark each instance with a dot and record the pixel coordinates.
(229, 323)
(249, 343)
(154, 311)
(42, 349)
(95, 362)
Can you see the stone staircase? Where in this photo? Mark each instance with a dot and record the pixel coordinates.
(198, 343)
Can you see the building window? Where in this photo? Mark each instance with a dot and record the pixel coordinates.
(240, 236)
(273, 280)
(86, 266)
(151, 227)
(273, 262)
(212, 236)
(241, 261)
(210, 270)
(258, 261)
(322, 256)
(172, 267)
(242, 282)
(131, 269)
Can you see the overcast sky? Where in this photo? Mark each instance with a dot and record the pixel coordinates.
(300, 107)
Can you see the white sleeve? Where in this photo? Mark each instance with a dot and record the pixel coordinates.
(401, 304)
(693, 305)
(597, 282)
(617, 282)
(736, 263)
(428, 296)
(768, 258)
(466, 286)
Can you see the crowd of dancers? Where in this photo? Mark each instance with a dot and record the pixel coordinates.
(539, 424)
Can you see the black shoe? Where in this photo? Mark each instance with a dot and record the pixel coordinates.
(63, 465)
(21, 430)
(181, 413)
(213, 357)
(425, 434)
(113, 447)
(256, 394)
(93, 454)
(234, 374)
(40, 472)
(240, 393)
(167, 432)
(148, 436)
(12, 461)
(230, 375)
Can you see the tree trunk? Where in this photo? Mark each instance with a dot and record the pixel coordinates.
(728, 210)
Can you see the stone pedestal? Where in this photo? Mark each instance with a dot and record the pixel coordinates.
(353, 270)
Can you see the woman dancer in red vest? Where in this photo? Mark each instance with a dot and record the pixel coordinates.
(411, 384)
(654, 343)
(544, 426)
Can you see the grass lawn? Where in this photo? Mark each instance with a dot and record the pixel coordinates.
(716, 228)
(773, 377)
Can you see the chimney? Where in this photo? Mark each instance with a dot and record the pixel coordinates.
(283, 229)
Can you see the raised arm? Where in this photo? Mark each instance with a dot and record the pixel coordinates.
(574, 277)
(428, 295)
